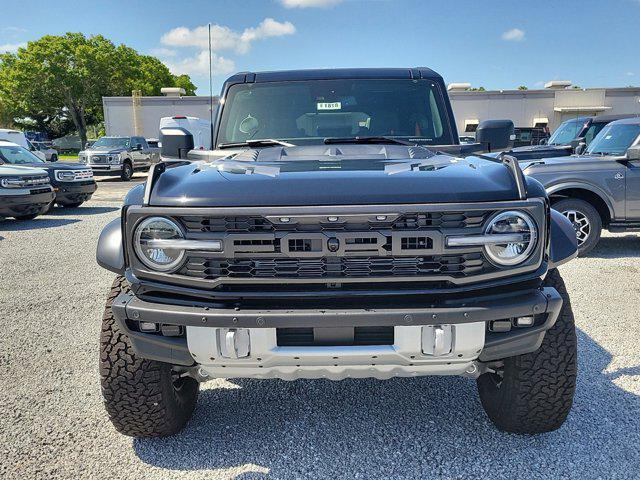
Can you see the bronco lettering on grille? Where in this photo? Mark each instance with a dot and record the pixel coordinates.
(333, 244)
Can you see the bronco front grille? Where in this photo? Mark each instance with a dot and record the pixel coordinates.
(332, 247)
(335, 267)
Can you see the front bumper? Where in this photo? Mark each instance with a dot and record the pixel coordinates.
(68, 192)
(468, 317)
(101, 169)
(19, 205)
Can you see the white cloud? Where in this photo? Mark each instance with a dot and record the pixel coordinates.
(11, 47)
(224, 38)
(309, 3)
(513, 35)
(199, 65)
(267, 28)
(630, 74)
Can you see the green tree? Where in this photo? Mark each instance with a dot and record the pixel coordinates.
(58, 79)
(523, 87)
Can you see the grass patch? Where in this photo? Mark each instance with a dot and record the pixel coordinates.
(68, 158)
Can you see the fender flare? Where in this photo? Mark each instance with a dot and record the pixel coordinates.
(583, 186)
(563, 243)
(110, 252)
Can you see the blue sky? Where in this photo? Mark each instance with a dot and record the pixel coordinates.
(495, 44)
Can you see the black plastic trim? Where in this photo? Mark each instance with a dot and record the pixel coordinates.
(484, 308)
(173, 350)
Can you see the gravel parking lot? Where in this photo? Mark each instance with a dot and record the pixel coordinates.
(53, 425)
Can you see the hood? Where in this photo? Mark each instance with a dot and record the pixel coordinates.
(333, 175)
(54, 166)
(6, 170)
(569, 162)
(540, 151)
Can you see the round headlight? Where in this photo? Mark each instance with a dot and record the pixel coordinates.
(154, 246)
(511, 253)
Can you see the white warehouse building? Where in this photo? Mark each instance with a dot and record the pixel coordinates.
(547, 107)
(137, 115)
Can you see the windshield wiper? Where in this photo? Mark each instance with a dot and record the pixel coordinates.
(379, 139)
(264, 142)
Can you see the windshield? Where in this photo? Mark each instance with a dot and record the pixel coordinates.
(566, 132)
(17, 155)
(614, 139)
(310, 111)
(112, 142)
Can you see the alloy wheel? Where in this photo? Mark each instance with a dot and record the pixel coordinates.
(580, 223)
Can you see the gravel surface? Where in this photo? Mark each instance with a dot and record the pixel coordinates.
(53, 425)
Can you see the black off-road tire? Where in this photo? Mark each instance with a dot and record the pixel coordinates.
(127, 171)
(143, 397)
(590, 213)
(535, 393)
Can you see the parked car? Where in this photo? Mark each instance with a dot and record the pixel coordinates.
(566, 138)
(25, 192)
(73, 184)
(528, 136)
(119, 156)
(600, 188)
(19, 138)
(50, 153)
(334, 239)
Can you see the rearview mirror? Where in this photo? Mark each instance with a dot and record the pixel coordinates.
(495, 134)
(633, 153)
(176, 142)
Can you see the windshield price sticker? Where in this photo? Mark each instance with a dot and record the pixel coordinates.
(329, 106)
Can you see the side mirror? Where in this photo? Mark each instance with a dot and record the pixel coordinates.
(575, 142)
(176, 142)
(580, 148)
(542, 141)
(633, 153)
(495, 134)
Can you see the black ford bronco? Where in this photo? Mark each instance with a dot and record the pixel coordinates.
(337, 231)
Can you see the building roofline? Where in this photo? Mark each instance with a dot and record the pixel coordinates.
(543, 91)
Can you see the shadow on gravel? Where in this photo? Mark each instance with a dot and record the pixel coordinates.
(401, 428)
(35, 224)
(82, 210)
(627, 246)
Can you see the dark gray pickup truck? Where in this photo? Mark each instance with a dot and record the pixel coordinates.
(599, 188)
(329, 236)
